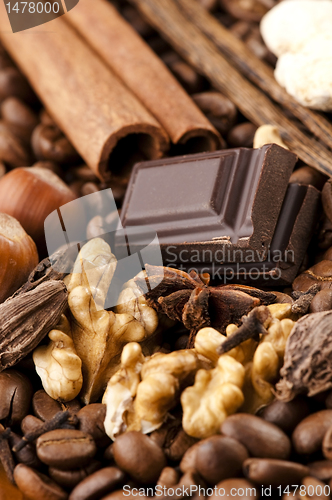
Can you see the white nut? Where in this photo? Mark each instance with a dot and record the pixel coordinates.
(307, 74)
(268, 134)
(289, 25)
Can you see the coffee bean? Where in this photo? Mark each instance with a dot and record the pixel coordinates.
(30, 423)
(188, 462)
(20, 116)
(322, 469)
(272, 472)
(261, 438)
(327, 444)
(320, 273)
(91, 420)
(314, 488)
(187, 76)
(322, 301)
(27, 455)
(139, 456)
(286, 415)
(49, 143)
(12, 150)
(308, 175)
(37, 486)
(50, 165)
(220, 457)
(13, 84)
(308, 435)
(327, 199)
(242, 135)
(68, 479)
(16, 393)
(44, 407)
(179, 445)
(243, 489)
(84, 173)
(168, 477)
(99, 483)
(66, 448)
(221, 112)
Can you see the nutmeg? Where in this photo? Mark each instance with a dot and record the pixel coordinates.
(30, 194)
(18, 256)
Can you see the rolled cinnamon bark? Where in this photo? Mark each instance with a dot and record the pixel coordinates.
(105, 122)
(143, 73)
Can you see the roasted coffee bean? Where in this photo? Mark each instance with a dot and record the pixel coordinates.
(327, 199)
(322, 301)
(247, 11)
(190, 479)
(327, 444)
(37, 486)
(30, 423)
(308, 175)
(209, 4)
(236, 488)
(221, 112)
(322, 469)
(13, 84)
(44, 407)
(241, 29)
(314, 488)
(179, 445)
(308, 435)
(27, 455)
(272, 472)
(50, 165)
(181, 342)
(286, 415)
(188, 462)
(168, 477)
(320, 273)
(220, 457)
(84, 173)
(187, 76)
(16, 393)
(49, 143)
(91, 420)
(108, 453)
(12, 150)
(261, 438)
(21, 118)
(242, 135)
(139, 456)
(97, 484)
(68, 479)
(66, 448)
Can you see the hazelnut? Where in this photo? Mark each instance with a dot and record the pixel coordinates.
(18, 256)
(30, 194)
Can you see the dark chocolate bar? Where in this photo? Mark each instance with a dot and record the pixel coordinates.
(214, 211)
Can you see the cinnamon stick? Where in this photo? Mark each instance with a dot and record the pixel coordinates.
(105, 122)
(253, 68)
(205, 57)
(135, 63)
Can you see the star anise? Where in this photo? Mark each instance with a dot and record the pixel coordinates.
(189, 298)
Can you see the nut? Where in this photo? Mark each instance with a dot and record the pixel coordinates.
(215, 395)
(58, 365)
(18, 256)
(268, 134)
(30, 195)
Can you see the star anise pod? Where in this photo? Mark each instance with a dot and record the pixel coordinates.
(189, 298)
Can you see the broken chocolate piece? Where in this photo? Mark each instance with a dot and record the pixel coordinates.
(230, 213)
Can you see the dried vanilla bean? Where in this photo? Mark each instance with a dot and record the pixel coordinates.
(27, 318)
(252, 326)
